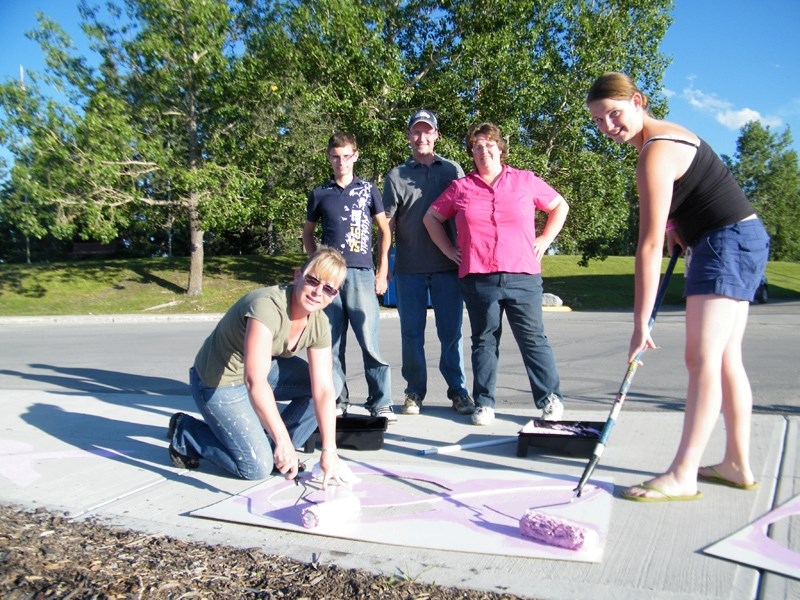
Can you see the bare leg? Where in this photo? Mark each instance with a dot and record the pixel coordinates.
(714, 330)
(737, 407)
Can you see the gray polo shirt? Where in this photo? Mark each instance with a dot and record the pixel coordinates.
(409, 191)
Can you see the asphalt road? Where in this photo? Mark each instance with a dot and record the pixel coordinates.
(152, 355)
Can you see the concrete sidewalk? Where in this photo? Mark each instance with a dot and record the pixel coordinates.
(97, 456)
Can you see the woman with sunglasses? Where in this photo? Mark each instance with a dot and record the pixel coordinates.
(249, 362)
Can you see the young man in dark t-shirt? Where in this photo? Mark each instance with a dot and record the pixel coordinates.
(346, 206)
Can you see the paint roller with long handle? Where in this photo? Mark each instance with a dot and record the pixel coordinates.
(626, 382)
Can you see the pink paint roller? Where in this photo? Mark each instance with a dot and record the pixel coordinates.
(554, 531)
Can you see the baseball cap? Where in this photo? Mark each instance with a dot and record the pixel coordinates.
(424, 116)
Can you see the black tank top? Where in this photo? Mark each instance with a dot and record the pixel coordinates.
(707, 196)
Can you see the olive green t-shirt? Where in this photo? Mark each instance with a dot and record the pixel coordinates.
(220, 361)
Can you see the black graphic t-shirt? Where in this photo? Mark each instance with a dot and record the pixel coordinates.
(346, 216)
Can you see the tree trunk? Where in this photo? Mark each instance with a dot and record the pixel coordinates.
(195, 226)
(196, 254)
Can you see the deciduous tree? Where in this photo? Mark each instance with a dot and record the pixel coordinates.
(767, 169)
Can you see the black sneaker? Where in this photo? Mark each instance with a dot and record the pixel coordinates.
(412, 405)
(463, 405)
(173, 424)
(182, 461)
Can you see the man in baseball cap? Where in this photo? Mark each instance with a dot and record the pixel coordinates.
(421, 271)
(423, 116)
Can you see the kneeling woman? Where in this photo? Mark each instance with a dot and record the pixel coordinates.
(249, 362)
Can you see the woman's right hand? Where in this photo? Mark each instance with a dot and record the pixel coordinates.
(640, 340)
(454, 254)
(286, 460)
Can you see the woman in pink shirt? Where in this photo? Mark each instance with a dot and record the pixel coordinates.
(499, 258)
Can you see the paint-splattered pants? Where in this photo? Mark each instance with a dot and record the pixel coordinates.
(231, 435)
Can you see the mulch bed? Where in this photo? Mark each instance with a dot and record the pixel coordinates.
(46, 555)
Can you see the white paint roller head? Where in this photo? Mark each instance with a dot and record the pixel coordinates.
(331, 513)
(554, 531)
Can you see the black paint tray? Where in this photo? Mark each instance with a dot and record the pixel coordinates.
(355, 431)
(574, 438)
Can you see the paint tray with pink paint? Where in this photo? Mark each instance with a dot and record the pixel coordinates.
(574, 438)
(355, 431)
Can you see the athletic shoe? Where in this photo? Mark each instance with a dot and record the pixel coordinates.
(463, 405)
(413, 404)
(173, 424)
(384, 411)
(553, 409)
(182, 461)
(483, 415)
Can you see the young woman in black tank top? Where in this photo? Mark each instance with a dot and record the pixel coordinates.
(687, 192)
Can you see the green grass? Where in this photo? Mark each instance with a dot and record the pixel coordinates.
(156, 286)
(608, 284)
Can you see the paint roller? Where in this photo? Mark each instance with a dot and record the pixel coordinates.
(336, 510)
(554, 531)
(338, 506)
(563, 533)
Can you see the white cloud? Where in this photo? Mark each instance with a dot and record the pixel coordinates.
(724, 112)
(736, 119)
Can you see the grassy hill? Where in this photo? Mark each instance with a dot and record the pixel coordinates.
(156, 285)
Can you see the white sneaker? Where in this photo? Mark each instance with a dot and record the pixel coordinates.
(483, 415)
(553, 408)
(385, 411)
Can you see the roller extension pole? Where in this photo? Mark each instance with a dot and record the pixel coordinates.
(457, 447)
(626, 382)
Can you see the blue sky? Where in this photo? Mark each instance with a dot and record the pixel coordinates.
(733, 61)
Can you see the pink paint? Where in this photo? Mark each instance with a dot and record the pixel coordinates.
(435, 506)
(19, 464)
(751, 545)
(555, 532)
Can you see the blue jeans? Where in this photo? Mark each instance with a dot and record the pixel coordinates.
(231, 435)
(357, 306)
(448, 309)
(519, 297)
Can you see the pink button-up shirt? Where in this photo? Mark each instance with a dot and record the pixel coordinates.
(495, 224)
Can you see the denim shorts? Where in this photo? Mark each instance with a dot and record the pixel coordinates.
(728, 261)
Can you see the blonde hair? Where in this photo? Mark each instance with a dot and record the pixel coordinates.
(328, 265)
(614, 86)
(492, 133)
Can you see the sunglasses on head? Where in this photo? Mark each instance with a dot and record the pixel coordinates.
(328, 290)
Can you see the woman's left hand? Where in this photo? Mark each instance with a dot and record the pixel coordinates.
(329, 463)
(674, 239)
(540, 246)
